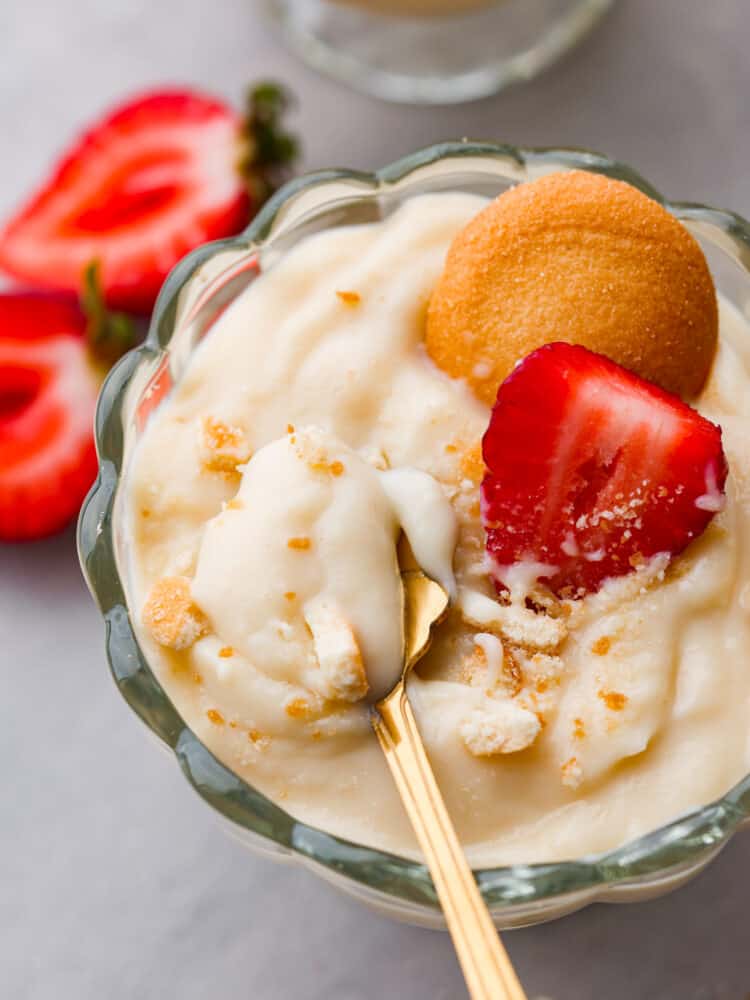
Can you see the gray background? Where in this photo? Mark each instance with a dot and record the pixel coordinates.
(115, 880)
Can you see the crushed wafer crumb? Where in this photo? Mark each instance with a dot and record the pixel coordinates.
(614, 700)
(473, 666)
(512, 672)
(349, 298)
(290, 595)
(312, 449)
(170, 614)
(302, 543)
(472, 463)
(214, 715)
(516, 624)
(226, 651)
(499, 727)
(223, 447)
(234, 504)
(571, 773)
(579, 730)
(334, 468)
(341, 672)
(541, 669)
(602, 645)
(298, 708)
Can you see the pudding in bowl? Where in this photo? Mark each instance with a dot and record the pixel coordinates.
(199, 293)
(340, 401)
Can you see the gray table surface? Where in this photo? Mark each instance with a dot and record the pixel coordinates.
(115, 880)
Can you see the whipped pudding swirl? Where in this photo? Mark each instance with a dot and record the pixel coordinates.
(266, 499)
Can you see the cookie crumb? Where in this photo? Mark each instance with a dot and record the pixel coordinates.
(223, 447)
(602, 645)
(499, 727)
(298, 708)
(472, 463)
(614, 700)
(341, 673)
(170, 614)
(301, 543)
(571, 773)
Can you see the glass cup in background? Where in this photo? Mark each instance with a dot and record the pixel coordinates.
(433, 51)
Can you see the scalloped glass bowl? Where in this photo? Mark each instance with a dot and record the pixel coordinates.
(195, 294)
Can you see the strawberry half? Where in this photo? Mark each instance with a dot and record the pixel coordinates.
(591, 470)
(149, 182)
(47, 396)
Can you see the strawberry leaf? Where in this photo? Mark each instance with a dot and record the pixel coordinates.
(268, 152)
(109, 334)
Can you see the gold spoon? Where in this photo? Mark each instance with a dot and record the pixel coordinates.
(484, 961)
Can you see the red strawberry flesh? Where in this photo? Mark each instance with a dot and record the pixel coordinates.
(47, 398)
(140, 189)
(592, 470)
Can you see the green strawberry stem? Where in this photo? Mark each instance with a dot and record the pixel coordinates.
(109, 334)
(268, 152)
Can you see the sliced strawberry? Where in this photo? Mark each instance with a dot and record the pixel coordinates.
(146, 184)
(591, 470)
(47, 395)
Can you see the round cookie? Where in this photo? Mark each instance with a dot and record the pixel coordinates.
(581, 258)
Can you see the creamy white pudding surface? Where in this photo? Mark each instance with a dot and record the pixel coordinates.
(265, 502)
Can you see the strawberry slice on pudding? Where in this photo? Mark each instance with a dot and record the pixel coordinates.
(592, 470)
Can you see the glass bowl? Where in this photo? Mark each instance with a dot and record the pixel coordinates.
(433, 51)
(195, 294)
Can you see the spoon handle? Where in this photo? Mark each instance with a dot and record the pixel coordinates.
(487, 969)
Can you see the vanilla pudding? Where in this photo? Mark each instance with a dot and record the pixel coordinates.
(266, 499)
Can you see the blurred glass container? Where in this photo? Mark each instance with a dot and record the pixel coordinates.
(433, 51)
